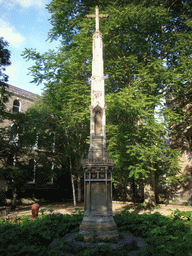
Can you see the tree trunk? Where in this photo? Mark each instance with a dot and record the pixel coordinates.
(14, 200)
(79, 189)
(73, 189)
(141, 192)
(149, 191)
(133, 190)
(72, 183)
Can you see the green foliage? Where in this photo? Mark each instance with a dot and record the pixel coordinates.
(8, 148)
(163, 235)
(50, 210)
(58, 126)
(147, 59)
(178, 215)
(175, 200)
(36, 235)
(4, 94)
(156, 207)
(136, 141)
(4, 62)
(42, 211)
(24, 218)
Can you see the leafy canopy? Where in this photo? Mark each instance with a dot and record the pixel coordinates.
(147, 57)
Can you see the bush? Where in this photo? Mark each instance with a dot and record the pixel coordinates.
(14, 238)
(164, 235)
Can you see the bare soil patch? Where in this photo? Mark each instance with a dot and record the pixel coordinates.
(163, 209)
(118, 207)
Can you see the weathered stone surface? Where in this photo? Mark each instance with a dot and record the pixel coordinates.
(97, 167)
(98, 204)
(126, 241)
(101, 226)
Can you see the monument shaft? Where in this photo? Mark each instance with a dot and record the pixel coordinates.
(97, 167)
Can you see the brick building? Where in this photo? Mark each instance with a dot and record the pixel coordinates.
(25, 99)
(19, 101)
(184, 194)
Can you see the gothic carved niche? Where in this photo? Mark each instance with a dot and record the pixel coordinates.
(97, 120)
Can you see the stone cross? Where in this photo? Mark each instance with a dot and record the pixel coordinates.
(97, 166)
(97, 16)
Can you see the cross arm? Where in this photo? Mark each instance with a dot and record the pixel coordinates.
(100, 15)
(103, 15)
(90, 15)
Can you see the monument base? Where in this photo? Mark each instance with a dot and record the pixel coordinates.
(125, 241)
(99, 227)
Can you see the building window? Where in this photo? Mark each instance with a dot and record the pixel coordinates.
(52, 139)
(14, 136)
(16, 106)
(50, 180)
(31, 171)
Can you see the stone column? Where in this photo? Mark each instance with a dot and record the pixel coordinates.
(98, 219)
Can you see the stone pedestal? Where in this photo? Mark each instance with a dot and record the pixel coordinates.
(98, 220)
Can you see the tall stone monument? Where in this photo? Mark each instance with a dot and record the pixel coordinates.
(97, 167)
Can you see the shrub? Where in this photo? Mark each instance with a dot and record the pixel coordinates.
(37, 233)
(164, 235)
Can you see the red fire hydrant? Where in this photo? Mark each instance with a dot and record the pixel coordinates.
(35, 209)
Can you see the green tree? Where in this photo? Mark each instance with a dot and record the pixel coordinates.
(27, 131)
(137, 143)
(4, 95)
(4, 62)
(146, 54)
(57, 140)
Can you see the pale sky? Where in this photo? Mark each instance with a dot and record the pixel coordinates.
(24, 24)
